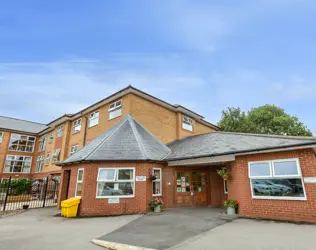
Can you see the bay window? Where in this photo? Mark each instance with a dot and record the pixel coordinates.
(115, 109)
(277, 179)
(79, 182)
(94, 119)
(39, 163)
(22, 143)
(18, 164)
(116, 182)
(157, 187)
(187, 123)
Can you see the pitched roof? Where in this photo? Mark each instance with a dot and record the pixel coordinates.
(126, 141)
(221, 143)
(14, 124)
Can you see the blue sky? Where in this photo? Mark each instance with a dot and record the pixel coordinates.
(57, 56)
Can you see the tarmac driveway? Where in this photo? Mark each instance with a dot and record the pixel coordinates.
(169, 228)
(39, 229)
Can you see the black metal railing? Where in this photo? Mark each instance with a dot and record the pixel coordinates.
(24, 193)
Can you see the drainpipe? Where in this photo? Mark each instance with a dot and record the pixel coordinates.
(85, 131)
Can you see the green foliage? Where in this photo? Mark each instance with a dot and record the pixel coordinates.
(17, 186)
(267, 119)
(231, 203)
(156, 202)
(222, 172)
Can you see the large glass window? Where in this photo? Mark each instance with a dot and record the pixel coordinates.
(76, 126)
(183, 182)
(115, 109)
(56, 155)
(60, 131)
(18, 164)
(79, 182)
(42, 144)
(114, 182)
(1, 137)
(22, 143)
(157, 184)
(39, 163)
(187, 123)
(94, 119)
(278, 179)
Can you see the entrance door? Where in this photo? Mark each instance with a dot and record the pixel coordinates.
(190, 188)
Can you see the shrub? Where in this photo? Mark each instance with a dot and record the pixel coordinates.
(231, 203)
(17, 186)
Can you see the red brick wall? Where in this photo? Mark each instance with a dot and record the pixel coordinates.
(90, 205)
(239, 188)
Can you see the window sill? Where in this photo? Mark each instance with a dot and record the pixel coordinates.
(157, 195)
(93, 126)
(225, 192)
(114, 117)
(279, 198)
(73, 133)
(109, 197)
(16, 172)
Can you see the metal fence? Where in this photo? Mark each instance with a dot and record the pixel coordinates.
(28, 194)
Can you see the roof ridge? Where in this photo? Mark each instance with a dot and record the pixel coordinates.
(138, 139)
(22, 120)
(107, 137)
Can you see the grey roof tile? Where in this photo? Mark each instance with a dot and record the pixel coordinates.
(21, 125)
(219, 143)
(127, 140)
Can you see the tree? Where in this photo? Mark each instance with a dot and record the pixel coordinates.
(267, 119)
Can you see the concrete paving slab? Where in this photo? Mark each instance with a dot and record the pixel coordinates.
(169, 228)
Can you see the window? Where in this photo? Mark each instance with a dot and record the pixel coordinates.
(42, 144)
(47, 159)
(60, 131)
(115, 109)
(18, 164)
(76, 126)
(79, 182)
(94, 119)
(115, 182)
(39, 163)
(73, 149)
(157, 189)
(56, 155)
(22, 143)
(278, 179)
(1, 137)
(187, 123)
(51, 137)
(225, 187)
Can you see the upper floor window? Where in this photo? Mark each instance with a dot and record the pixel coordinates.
(73, 149)
(18, 164)
(56, 155)
(47, 159)
(22, 143)
(42, 144)
(76, 126)
(39, 163)
(277, 179)
(115, 109)
(60, 131)
(94, 119)
(51, 137)
(187, 123)
(1, 137)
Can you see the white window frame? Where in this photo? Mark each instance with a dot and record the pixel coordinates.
(47, 159)
(60, 131)
(42, 144)
(94, 118)
(76, 124)
(115, 106)
(78, 181)
(225, 186)
(187, 121)
(38, 160)
(55, 153)
(15, 156)
(272, 176)
(27, 139)
(157, 180)
(1, 137)
(71, 149)
(116, 180)
(51, 137)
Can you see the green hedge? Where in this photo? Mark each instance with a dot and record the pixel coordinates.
(18, 186)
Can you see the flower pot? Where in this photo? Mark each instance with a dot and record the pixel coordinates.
(25, 206)
(157, 209)
(231, 211)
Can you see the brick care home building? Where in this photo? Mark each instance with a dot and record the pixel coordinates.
(107, 152)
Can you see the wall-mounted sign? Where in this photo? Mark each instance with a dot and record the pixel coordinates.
(113, 200)
(140, 178)
(310, 179)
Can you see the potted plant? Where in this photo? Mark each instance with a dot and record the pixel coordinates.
(231, 206)
(223, 172)
(151, 176)
(156, 204)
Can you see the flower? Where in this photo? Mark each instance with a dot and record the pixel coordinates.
(228, 201)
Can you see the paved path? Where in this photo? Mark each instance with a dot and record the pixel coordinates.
(38, 229)
(243, 234)
(164, 230)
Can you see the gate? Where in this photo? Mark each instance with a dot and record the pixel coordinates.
(18, 194)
